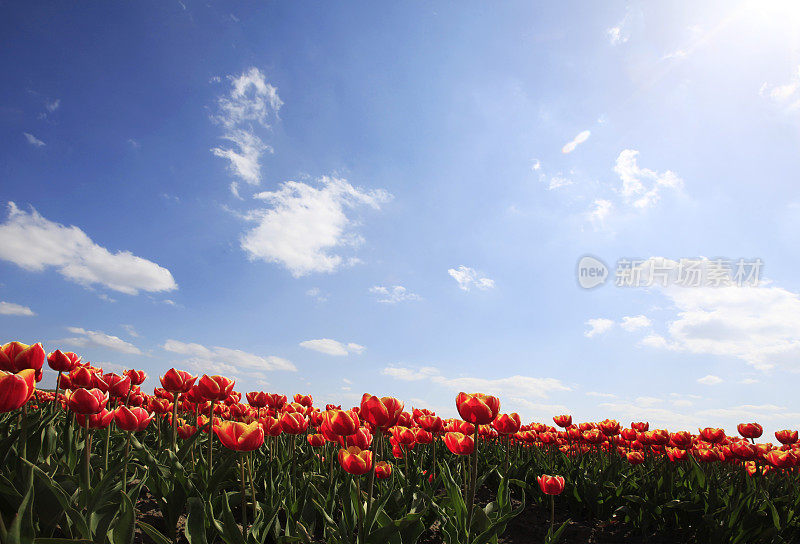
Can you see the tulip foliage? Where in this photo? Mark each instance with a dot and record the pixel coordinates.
(100, 460)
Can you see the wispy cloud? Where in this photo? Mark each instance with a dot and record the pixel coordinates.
(100, 339)
(226, 361)
(597, 326)
(34, 243)
(11, 308)
(393, 294)
(329, 346)
(467, 278)
(33, 140)
(642, 187)
(570, 146)
(250, 102)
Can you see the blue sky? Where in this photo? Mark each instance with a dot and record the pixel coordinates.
(344, 198)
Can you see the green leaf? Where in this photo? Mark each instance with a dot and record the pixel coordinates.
(195, 529)
(124, 530)
(154, 534)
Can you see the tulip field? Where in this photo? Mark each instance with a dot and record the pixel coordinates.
(99, 460)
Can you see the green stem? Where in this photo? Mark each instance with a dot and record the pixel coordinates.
(87, 460)
(552, 513)
(252, 486)
(376, 442)
(360, 511)
(125, 470)
(244, 496)
(174, 421)
(473, 481)
(105, 454)
(210, 438)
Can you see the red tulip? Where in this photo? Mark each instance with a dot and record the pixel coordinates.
(381, 412)
(293, 423)
(257, 399)
(712, 435)
(750, 430)
(431, 423)
(676, 454)
(272, 426)
(87, 401)
(62, 361)
(305, 400)
(276, 401)
(355, 461)
(340, 422)
(404, 436)
(743, 450)
(137, 376)
(100, 420)
(781, 459)
(361, 438)
(640, 427)
(609, 427)
(460, 444)
(316, 440)
(422, 436)
(177, 381)
(16, 389)
(786, 436)
(563, 420)
(240, 436)
(16, 356)
(708, 456)
(477, 408)
(118, 386)
(682, 440)
(215, 388)
(132, 419)
(551, 485)
(507, 423)
(635, 457)
(383, 470)
(186, 431)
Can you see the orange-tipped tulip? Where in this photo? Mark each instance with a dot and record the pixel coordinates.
(477, 408)
(240, 436)
(786, 436)
(712, 435)
(257, 399)
(316, 440)
(563, 420)
(381, 412)
(460, 444)
(100, 420)
(293, 423)
(750, 430)
(507, 423)
(355, 461)
(340, 422)
(215, 388)
(383, 470)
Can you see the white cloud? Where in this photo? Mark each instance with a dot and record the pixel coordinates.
(393, 294)
(620, 33)
(600, 212)
(710, 380)
(226, 361)
(570, 146)
(33, 140)
(635, 323)
(52, 105)
(100, 339)
(601, 395)
(598, 326)
(245, 158)
(536, 165)
(512, 386)
(757, 324)
(332, 347)
(467, 278)
(786, 95)
(131, 330)
(559, 181)
(34, 243)
(317, 294)
(641, 187)
(10, 308)
(304, 223)
(250, 102)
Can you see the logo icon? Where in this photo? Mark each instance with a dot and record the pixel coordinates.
(591, 272)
